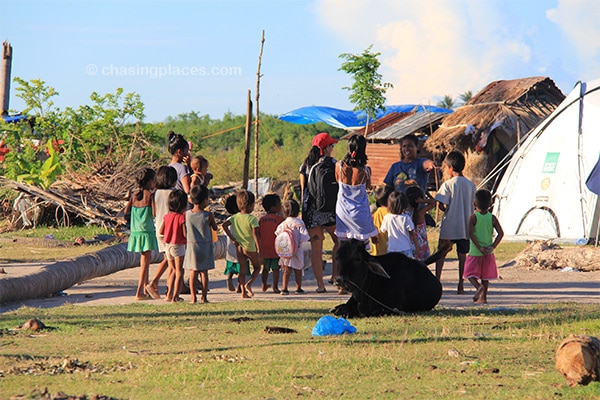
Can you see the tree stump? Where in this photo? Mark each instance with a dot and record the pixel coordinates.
(578, 359)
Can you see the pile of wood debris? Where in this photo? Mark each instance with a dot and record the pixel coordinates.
(93, 198)
(545, 255)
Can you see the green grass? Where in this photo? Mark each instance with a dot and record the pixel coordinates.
(65, 234)
(144, 351)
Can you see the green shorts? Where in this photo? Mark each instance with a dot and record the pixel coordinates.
(271, 264)
(234, 268)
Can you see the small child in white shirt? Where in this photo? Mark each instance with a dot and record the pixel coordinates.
(291, 209)
(399, 226)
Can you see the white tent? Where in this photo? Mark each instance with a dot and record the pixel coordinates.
(543, 193)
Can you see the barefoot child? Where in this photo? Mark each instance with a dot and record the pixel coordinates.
(143, 235)
(456, 200)
(267, 224)
(166, 178)
(199, 254)
(232, 266)
(173, 230)
(291, 209)
(481, 262)
(242, 229)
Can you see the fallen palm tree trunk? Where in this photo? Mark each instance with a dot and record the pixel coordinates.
(62, 275)
(578, 359)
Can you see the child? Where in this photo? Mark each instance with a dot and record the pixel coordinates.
(143, 235)
(173, 230)
(353, 213)
(199, 253)
(382, 193)
(399, 226)
(481, 263)
(291, 209)
(166, 178)
(267, 224)
(456, 200)
(242, 229)
(419, 206)
(232, 266)
(200, 174)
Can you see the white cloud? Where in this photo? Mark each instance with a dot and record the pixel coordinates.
(578, 22)
(437, 47)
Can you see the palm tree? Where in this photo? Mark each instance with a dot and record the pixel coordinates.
(447, 102)
(465, 97)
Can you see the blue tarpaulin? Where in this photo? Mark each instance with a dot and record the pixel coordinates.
(345, 119)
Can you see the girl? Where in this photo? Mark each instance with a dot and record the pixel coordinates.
(353, 213)
(173, 230)
(199, 253)
(316, 222)
(245, 236)
(481, 262)
(291, 209)
(166, 178)
(180, 160)
(143, 235)
(399, 226)
(381, 199)
(419, 206)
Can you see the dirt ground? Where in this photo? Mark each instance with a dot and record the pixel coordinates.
(517, 286)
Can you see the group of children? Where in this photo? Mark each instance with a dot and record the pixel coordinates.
(252, 241)
(400, 219)
(167, 219)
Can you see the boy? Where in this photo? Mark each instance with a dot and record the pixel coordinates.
(242, 229)
(456, 200)
(267, 225)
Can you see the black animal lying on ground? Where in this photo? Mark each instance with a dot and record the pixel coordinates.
(384, 285)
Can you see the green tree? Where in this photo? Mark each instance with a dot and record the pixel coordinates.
(465, 97)
(367, 91)
(447, 102)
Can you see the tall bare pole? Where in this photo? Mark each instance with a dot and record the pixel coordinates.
(247, 148)
(262, 43)
(5, 77)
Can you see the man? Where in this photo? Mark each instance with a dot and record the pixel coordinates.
(409, 170)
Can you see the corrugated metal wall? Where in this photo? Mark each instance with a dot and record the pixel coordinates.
(381, 157)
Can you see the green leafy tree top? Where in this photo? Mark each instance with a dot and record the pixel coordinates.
(367, 91)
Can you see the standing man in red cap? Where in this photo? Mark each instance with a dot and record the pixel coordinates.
(319, 218)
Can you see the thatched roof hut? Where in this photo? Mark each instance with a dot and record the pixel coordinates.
(487, 127)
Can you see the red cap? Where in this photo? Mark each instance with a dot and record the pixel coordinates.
(323, 140)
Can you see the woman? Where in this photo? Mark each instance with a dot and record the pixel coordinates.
(316, 221)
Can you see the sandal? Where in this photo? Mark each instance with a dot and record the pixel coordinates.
(321, 290)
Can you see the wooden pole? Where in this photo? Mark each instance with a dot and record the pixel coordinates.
(247, 148)
(5, 77)
(262, 42)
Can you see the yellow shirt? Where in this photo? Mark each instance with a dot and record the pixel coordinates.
(381, 247)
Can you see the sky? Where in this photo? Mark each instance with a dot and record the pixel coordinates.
(182, 55)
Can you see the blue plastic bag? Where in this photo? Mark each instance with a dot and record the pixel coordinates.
(328, 325)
